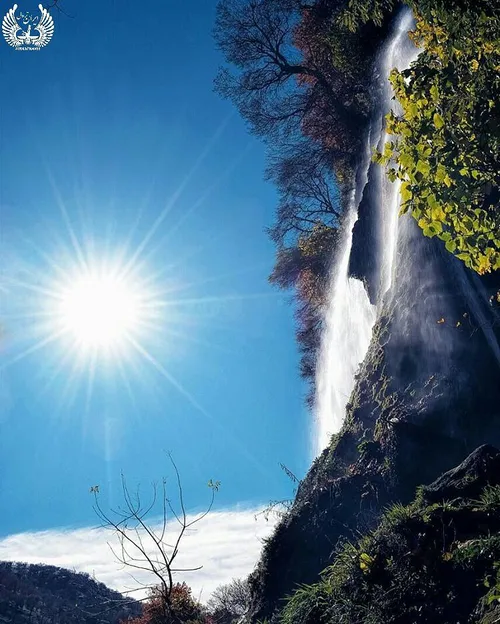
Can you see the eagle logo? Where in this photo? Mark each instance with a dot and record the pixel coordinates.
(23, 38)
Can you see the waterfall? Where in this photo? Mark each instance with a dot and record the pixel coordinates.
(349, 322)
(399, 53)
(350, 315)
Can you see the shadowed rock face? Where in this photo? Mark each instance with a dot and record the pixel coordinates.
(434, 561)
(468, 479)
(364, 263)
(401, 431)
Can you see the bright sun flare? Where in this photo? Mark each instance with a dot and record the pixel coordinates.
(100, 312)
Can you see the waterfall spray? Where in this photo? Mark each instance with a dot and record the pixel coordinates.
(350, 316)
(349, 322)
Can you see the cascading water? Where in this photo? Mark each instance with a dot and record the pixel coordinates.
(399, 54)
(351, 316)
(348, 326)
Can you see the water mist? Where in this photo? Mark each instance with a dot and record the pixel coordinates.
(350, 315)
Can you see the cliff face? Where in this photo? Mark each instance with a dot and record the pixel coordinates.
(434, 561)
(427, 394)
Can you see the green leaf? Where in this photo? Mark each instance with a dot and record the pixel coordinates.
(406, 193)
(424, 167)
(440, 173)
(405, 160)
(437, 213)
(432, 229)
(438, 121)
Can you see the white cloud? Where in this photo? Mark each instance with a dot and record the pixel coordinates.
(226, 543)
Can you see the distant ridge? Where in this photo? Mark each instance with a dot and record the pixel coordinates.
(43, 594)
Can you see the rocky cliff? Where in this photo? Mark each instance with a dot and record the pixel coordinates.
(436, 560)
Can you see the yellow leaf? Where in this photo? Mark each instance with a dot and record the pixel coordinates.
(438, 121)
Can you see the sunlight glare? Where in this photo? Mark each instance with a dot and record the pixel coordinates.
(100, 311)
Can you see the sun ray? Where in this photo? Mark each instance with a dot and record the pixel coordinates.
(208, 192)
(33, 349)
(178, 192)
(90, 381)
(41, 290)
(62, 365)
(178, 386)
(204, 343)
(163, 371)
(221, 298)
(67, 222)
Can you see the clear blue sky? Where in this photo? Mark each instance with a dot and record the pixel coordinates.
(104, 125)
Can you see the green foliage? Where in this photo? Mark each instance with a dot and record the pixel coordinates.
(359, 12)
(446, 149)
(366, 562)
(490, 499)
(307, 604)
(424, 563)
(397, 514)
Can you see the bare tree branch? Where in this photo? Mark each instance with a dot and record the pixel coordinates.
(140, 546)
(56, 4)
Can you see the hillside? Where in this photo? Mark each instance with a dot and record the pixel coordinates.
(41, 594)
(435, 560)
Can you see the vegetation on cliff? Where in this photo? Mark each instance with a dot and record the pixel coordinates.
(446, 148)
(435, 560)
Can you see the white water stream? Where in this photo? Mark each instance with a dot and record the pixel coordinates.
(350, 316)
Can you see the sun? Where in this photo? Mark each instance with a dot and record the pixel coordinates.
(100, 312)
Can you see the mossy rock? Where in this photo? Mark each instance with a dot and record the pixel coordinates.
(436, 560)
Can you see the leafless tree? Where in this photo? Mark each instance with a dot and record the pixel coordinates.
(272, 87)
(230, 603)
(303, 174)
(141, 538)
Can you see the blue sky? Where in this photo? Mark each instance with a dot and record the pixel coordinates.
(110, 129)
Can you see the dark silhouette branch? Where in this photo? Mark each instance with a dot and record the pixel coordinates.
(142, 547)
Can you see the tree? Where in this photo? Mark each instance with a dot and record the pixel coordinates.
(184, 608)
(360, 12)
(305, 267)
(142, 544)
(303, 80)
(273, 88)
(309, 195)
(447, 145)
(229, 603)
